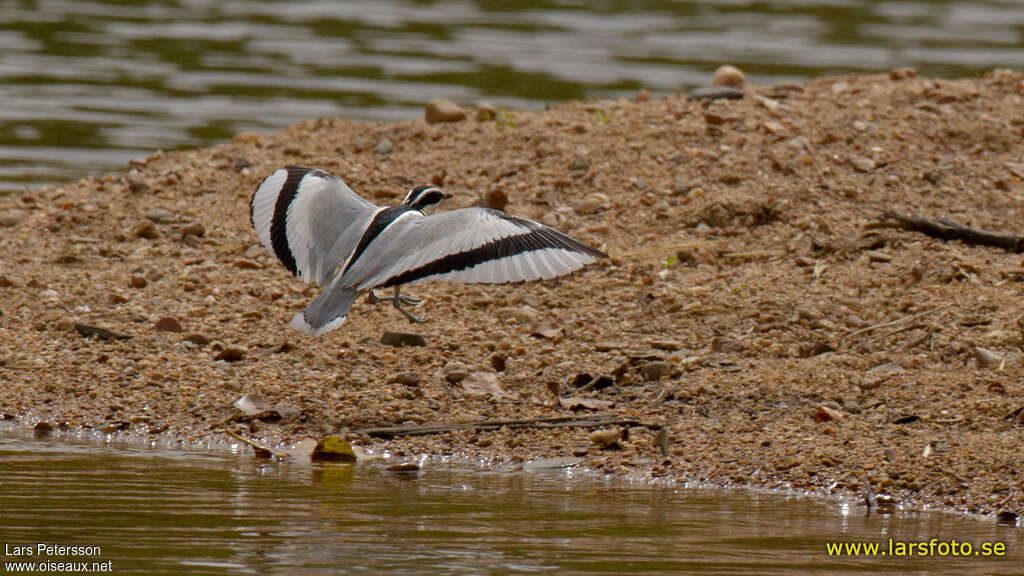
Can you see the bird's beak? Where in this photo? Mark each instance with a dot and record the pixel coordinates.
(446, 196)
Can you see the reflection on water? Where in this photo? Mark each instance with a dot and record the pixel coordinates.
(165, 512)
(87, 85)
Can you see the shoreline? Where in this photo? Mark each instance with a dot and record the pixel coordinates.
(748, 307)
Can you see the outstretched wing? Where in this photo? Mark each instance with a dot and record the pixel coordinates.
(476, 245)
(310, 220)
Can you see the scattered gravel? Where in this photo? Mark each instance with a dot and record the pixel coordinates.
(849, 358)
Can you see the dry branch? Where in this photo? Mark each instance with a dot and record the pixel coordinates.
(946, 229)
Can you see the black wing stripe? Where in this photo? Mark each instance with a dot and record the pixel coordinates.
(382, 220)
(539, 238)
(279, 224)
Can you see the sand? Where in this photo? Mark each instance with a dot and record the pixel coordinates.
(749, 308)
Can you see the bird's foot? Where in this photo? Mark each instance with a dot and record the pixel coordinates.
(400, 302)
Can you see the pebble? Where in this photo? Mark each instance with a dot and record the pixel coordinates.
(383, 147)
(247, 264)
(9, 220)
(495, 199)
(727, 345)
(642, 96)
(715, 93)
(232, 353)
(42, 429)
(168, 324)
(498, 362)
(862, 163)
(406, 378)
(986, 357)
(137, 281)
(669, 345)
(729, 76)
(580, 164)
(441, 110)
(607, 437)
(65, 323)
(591, 204)
(654, 370)
(6, 282)
(197, 339)
(826, 414)
(145, 229)
(485, 112)
(138, 186)
(399, 339)
(454, 372)
(522, 314)
(158, 215)
(193, 229)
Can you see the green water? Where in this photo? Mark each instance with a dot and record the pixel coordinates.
(160, 511)
(87, 85)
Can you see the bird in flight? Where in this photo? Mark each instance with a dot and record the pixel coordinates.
(324, 232)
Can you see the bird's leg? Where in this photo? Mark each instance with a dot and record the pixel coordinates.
(374, 299)
(400, 302)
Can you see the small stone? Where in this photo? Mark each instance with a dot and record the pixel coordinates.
(197, 339)
(158, 215)
(485, 112)
(42, 429)
(498, 362)
(592, 203)
(405, 378)
(579, 164)
(495, 199)
(607, 437)
(521, 314)
(729, 76)
(809, 349)
(9, 220)
(6, 282)
(902, 73)
(193, 229)
(168, 324)
(64, 324)
(655, 370)
(862, 163)
(138, 186)
(727, 345)
(441, 110)
(400, 339)
(145, 229)
(643, 96)
(874, 377)
(137, 281)
(826, 414)
(50, 296)
(383, 147)
(245, 264)
(233, 353)
(715, 93)
(669, 345)
(986, 357)
(333, 449)
(454, 372)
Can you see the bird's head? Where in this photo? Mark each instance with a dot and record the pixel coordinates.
(422, 197)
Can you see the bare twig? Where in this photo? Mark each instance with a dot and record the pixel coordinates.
(259, 447)
(901, 321)
(595, 421)
(946, 229)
